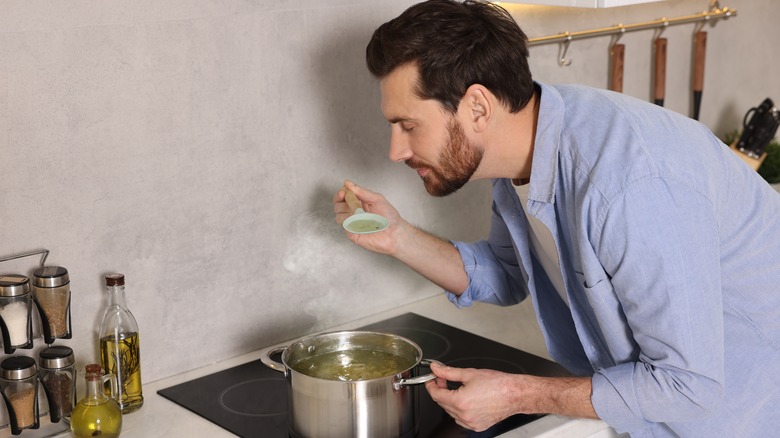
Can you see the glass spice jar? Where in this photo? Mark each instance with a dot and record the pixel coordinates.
(19, 386)
(51, 292)
(57, 373)
(15, 306)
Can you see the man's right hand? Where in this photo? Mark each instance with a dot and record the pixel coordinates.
(432, 257)
(383, 242)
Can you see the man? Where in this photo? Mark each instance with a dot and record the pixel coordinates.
(652, 254)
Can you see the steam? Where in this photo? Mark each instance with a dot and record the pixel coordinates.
(314, 242)
(324, 262)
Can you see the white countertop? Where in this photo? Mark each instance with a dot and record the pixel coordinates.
(515, 326)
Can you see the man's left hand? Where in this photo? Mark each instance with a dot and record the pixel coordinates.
(485, 397)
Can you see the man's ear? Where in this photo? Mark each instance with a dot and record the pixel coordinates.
(477, 107)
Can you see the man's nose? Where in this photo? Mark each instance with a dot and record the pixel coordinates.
(400, 150)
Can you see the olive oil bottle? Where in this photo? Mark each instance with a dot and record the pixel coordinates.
(120, 352)
(96, 414)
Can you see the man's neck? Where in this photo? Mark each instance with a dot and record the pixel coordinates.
(510, 143)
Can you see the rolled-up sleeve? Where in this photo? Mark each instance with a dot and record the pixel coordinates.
(492, 268)
(659, 247)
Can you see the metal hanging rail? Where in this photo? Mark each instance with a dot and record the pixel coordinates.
(566, 37)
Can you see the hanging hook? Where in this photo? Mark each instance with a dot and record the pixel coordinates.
(700, 25)
(660, 29)
(714, 5)
(616, 36)
(562, 49)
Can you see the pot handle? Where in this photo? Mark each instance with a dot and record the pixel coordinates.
(270, 363)
(419, 379)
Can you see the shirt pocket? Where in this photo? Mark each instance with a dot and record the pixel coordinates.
(608, 316)
(600, 294)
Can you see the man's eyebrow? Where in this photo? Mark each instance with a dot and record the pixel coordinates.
(395, 120)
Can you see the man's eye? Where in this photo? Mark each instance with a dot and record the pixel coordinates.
(406, 128)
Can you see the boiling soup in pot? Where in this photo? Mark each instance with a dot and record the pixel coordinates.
(354, 364)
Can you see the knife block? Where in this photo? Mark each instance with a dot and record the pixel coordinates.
(752, 162)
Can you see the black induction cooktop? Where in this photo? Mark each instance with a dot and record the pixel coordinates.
(250, 400)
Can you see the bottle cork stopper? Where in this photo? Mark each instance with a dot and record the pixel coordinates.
(115, 279)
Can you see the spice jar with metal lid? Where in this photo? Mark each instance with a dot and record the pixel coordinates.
(15, 306)
(57, 373)
(19, 386)
(51, 293)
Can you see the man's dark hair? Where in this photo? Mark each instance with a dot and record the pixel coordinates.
(456, 45)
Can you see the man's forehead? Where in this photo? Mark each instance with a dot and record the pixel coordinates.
(398, 90)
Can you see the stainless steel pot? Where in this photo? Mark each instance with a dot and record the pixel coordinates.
(375, 408)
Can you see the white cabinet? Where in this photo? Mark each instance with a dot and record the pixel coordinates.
(583, 3)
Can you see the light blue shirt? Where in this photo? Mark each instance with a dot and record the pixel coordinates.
(670, 252)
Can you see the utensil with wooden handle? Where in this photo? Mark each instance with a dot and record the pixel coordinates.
(361, 222)
(617, 57)
(699, 53)
(352, 200)
(659, 72)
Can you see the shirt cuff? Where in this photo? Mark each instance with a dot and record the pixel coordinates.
(623, 414)
(469, 259)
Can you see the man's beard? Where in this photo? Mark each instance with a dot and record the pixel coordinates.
(458, 161)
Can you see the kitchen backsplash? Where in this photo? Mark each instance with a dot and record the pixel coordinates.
(195, 147)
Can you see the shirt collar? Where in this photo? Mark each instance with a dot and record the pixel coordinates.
(544, 167)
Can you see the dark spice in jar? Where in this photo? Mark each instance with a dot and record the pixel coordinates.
(59, 387)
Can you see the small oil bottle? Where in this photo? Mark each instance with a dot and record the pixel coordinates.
(120, 352)
(96, 414)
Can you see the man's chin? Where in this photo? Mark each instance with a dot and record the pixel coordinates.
(439, 190)
(431, 187)
(435, 193)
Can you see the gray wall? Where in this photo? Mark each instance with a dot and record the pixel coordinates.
(195, 147)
